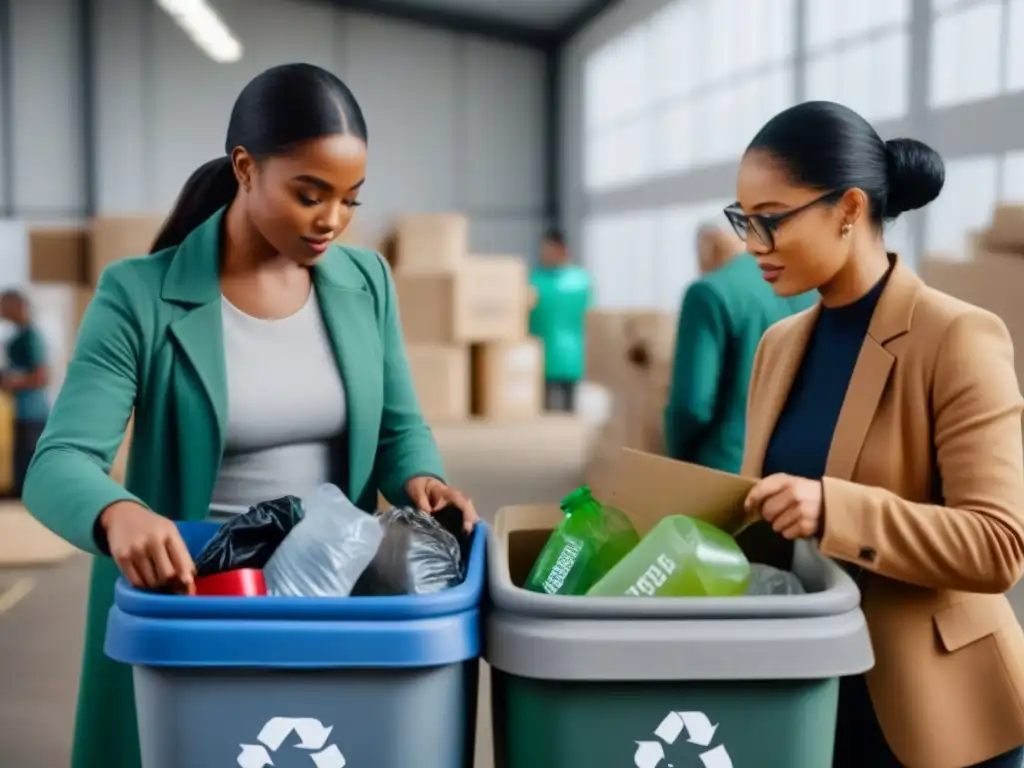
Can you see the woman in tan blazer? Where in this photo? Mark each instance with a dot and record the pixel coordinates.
(886, 425)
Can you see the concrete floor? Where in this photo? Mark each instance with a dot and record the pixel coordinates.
(41, 635)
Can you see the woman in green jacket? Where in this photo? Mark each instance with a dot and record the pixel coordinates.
(259, 360)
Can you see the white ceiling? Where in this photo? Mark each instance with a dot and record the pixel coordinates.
(544, 15)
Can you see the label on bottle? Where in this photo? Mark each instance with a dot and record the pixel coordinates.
(563, 566)
(654, 577)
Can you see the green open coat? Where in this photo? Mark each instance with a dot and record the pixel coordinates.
(152, 341)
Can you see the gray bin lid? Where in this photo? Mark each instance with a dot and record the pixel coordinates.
(818, 635)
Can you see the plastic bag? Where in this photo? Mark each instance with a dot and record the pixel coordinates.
(326, 553)
(249, 540)
(416, 557)
(766, 580)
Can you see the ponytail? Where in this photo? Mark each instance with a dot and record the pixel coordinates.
(211, 187)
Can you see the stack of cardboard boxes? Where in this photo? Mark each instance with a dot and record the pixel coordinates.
(630, 354)
(465, 322)
(990, 274)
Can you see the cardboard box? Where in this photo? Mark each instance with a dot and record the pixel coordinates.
(428, 243)
(58, 255)
(508, 379)
(630, 353)
(440, 374)
(616, 337)
(6, 443)
(486, 299)
(1007, 230)
(991, 281)
(118, 237)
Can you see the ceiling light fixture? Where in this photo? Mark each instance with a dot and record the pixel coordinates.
(206, 29)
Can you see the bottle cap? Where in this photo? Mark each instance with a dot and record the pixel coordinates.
(579, 497)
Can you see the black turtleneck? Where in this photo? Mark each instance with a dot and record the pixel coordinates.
(799, 445)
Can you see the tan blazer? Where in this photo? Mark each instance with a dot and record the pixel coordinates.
(924, 490)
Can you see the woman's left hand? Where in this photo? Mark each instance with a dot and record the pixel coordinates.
(791, 505)
(431, 495)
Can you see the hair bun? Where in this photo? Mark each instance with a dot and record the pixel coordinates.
(915, 174)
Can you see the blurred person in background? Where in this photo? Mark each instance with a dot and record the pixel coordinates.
(886, 425)
(260, 360)
(559, 319)
(724, 314)
(25, 379)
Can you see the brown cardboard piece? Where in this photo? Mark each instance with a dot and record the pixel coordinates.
(526, 528)
(648, 488)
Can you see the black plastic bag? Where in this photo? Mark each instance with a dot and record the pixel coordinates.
(418, 555)
(248, 541)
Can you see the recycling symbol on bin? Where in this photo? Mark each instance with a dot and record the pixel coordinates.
(699, 731)
(312, 736)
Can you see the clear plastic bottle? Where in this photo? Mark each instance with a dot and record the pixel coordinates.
(586, 545)
(680, 557)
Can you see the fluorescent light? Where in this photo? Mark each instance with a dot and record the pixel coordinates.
(207, 30)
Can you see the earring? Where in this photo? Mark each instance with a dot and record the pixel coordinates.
(847, 228)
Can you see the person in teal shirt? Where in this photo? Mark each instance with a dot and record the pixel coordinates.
(723, 316)
(559, 319)
(26, 378)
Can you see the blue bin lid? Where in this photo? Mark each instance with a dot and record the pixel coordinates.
(151, 629)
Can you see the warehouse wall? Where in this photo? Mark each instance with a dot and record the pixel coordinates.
(456, 122)
(949, 72)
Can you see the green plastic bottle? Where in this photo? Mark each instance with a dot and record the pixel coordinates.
(586, 545)
(680, 557)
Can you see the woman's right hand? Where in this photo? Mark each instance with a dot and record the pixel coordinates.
(147, 547)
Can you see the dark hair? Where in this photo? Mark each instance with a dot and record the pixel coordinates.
(279, 108)
(554, 235)
(12, 294)
(827, 146)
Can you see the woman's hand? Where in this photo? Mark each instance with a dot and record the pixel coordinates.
(431, 495)
(792, 505)
(147, 548)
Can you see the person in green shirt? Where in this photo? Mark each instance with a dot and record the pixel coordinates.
(723, 316)
(558, 319)
(25, 378)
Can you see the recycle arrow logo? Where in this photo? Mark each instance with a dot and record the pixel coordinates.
(313, 736)
(699, 731)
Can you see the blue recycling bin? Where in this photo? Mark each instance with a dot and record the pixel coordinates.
(356, 682)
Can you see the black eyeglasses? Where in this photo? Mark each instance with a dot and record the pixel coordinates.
(764, 225)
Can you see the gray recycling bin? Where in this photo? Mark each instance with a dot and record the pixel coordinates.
(743, 682)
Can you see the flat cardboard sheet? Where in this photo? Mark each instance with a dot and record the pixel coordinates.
(648, 488)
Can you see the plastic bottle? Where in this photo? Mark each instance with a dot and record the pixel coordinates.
(585, 546)
(680, 557)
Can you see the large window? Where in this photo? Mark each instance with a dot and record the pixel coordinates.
(617, 112)
(858, 54)
(965, 205)
(686, 88)
(646, 259)
(729, 68)
(977, 50)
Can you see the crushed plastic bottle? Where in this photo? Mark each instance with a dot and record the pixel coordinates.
(586, 545)
(680, 557)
